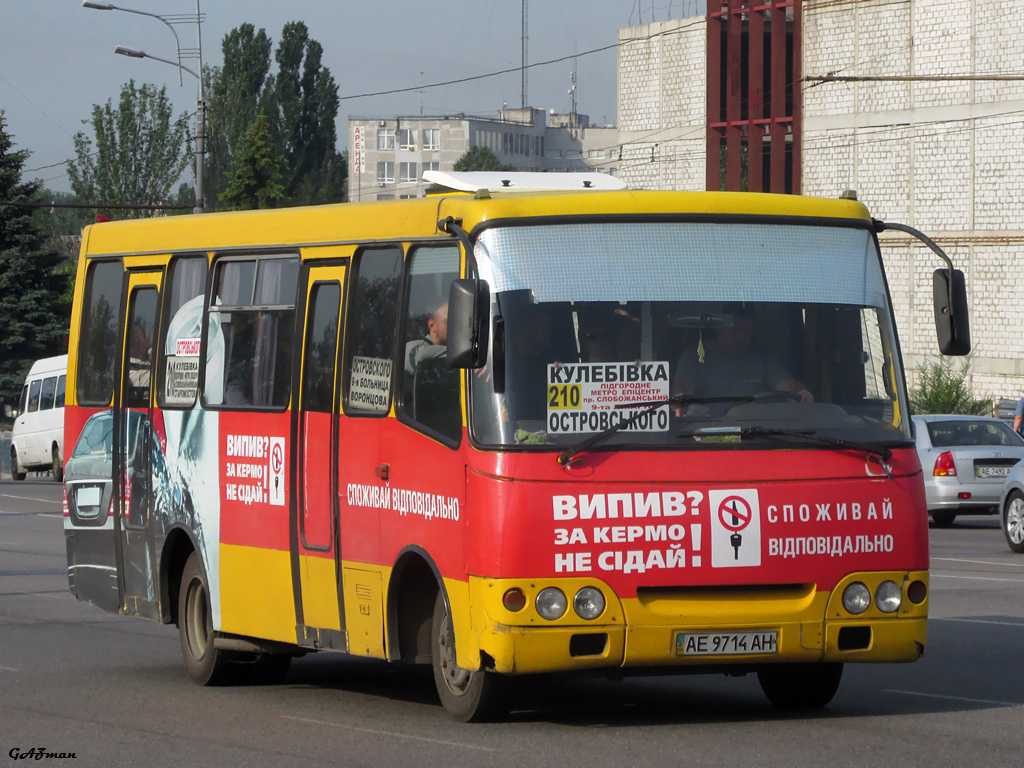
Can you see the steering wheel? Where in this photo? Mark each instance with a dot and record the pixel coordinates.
(777, 396)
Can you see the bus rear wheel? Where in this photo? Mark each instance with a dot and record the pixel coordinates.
(58, 465)
(17, 471)
(800, 686)
(469, 695)
(205, 664)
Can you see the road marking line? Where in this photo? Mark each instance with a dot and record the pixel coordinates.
(391, 733)
(957, 698)
(973, 578)
(24, 498)
(47, 514)
(980, 621)
(10, 669)
(981, 562)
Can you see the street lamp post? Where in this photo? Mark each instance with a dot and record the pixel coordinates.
(135, 53)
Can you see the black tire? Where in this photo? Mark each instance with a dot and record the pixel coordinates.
(943, 519)
(800, 686)
(470, 696)
(1013, 521)
(57, 468)
(205, 664)
(17, 471)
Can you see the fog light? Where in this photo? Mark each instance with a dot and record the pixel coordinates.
(588, 603)
(551, 603)
(888, 597)
(856, 598)
(514, 600)
(917, 592)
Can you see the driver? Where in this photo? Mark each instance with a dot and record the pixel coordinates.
(733, 366)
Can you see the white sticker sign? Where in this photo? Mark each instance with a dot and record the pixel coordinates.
(735, 528)
(181, 381)
(370, 383)
(590, 397)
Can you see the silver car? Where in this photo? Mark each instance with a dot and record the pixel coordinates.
(1011, 509)
(966, 460)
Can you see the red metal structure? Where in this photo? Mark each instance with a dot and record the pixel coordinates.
(753, 100)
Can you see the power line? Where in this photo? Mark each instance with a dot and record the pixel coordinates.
(677, 30)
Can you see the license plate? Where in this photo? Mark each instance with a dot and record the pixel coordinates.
(88, 497)
(992, 471)
(726, 643)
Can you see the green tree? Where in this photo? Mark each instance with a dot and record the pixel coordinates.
(33, 316)
(140, 152)
(307, 98)
(940, 388)
(254, 179)
(238, 91)
(480, 158)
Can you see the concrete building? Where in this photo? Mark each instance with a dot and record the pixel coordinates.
(912, 104)
(387, 155)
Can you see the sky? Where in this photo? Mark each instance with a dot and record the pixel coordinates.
(57, 60)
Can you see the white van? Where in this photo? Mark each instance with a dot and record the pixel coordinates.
(37, 440)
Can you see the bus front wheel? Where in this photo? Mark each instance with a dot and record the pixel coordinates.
(469, 695)
(205, 664)
(800, 686)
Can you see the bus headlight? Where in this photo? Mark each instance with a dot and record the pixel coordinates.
(551, 603)
(588, 603)
(856, 598)
(888, 597)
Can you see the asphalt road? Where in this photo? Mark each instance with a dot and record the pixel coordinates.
(114, 691)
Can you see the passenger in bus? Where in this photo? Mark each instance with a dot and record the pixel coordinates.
(732, 365)
(433, 344)
(611, 338)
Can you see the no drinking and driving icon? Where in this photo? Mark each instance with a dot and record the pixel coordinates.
(735, 528)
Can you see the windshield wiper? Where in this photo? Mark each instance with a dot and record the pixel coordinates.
(881, 453)
(566, 457)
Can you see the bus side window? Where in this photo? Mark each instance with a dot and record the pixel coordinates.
(97, 341)
(180, 339)
(371, 322)
(251, 332)
(430, 387)
(49, 390)
(33, 395)
(58, 401)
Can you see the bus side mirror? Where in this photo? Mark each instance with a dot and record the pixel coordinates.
(951, 323)
(468, 304)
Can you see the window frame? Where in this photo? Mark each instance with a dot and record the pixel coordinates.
(164, 327)
(399, 369)
(209, 308)
(115, 342)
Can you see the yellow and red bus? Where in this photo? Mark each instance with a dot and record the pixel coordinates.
(504, 431)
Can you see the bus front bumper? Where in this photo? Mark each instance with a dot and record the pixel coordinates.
(671, 634)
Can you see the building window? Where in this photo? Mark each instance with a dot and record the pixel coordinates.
(434, 166)
(407, 173)
(407, 139)
(553, 154)
(385, 172)
(385, 197)
(407, 197)
(595, 153)
(385, 138)
(431, 138)
(574, 154)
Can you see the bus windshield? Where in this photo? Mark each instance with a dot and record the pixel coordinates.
(779, 326)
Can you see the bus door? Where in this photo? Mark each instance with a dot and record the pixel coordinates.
(138, 453)
(316, 563)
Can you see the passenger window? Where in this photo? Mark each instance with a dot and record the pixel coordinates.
(430, 387)
(180, 348)
(49, 390)
(33, 396)
(372, 318)
(321, 348)
(59, 395)
(139, 360)
(23, 403)
(98, 343)
(250, 330)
